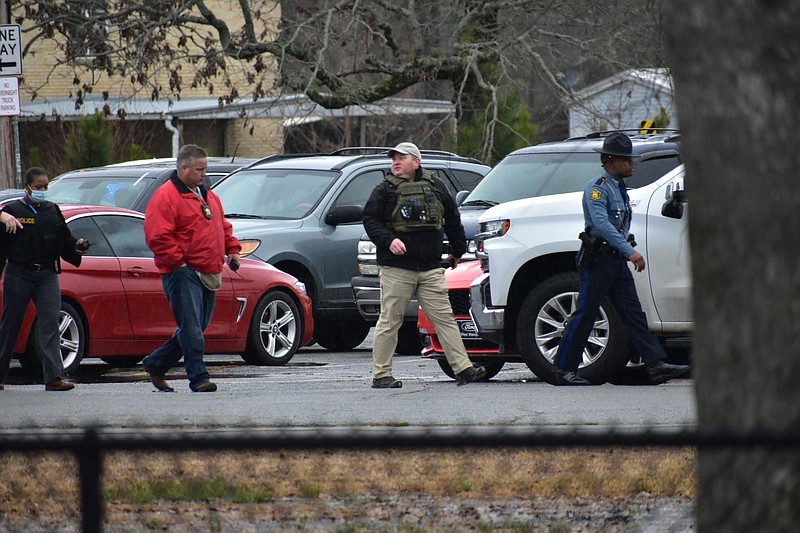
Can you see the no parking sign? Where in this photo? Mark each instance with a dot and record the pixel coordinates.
(9, 97)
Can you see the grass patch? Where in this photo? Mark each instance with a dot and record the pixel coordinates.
(464, 486)
(153, 490)
(50, 480)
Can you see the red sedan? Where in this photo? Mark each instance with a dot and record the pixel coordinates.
(480, 352)
(113, 306)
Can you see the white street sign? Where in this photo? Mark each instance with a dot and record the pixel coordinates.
(10, 50)
(9, 97)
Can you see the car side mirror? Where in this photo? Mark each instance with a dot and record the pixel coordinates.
(343, 214)
(461, 196)
(673, 207)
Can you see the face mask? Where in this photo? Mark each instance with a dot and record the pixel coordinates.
(38, 196)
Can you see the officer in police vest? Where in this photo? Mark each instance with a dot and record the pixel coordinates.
(405, 217)
(607, 246)
(33, 253)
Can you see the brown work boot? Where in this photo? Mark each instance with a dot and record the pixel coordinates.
(206, 386)
(58, 384)
(160, 383)
(470, 374)
(157, 380)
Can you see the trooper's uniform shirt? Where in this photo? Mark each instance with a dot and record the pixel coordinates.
(607, 215)
(607, 212)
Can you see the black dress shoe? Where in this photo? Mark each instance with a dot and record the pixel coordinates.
(386, 383)
(565, 377)
(660, 372)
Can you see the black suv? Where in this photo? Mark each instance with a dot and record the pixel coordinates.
(302, 214)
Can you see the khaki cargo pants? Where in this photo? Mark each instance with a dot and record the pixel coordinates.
(398, 285)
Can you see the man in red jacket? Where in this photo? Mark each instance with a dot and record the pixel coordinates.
(186, 229)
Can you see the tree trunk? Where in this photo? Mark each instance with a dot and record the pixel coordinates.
(737, 76)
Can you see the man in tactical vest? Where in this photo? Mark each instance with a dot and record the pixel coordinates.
(405, 217)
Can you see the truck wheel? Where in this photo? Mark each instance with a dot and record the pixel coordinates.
(492, 368)
(340, 335)
(408, 340)
(540, 326)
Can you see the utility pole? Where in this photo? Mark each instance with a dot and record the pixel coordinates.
(8, 157)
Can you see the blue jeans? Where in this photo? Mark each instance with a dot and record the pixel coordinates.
(192, 306)
(608, 276)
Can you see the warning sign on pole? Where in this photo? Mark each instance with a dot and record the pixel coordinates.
(9, 97)
(10, 50)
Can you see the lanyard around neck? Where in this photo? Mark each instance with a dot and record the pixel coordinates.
(30, 205)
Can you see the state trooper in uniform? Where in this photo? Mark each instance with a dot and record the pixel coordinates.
(607, 246)
(37, 238)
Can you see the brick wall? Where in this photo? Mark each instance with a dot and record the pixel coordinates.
(42, 79)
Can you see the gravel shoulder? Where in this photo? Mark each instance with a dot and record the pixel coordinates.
(390, 513)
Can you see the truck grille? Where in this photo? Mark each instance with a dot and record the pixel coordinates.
(459, 301)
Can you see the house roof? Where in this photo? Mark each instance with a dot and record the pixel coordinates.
(657, 78)
(294, 109)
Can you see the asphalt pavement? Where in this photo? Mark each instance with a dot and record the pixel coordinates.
(321, 388)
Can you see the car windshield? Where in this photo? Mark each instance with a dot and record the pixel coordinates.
(118, 191)
(268, 193)
(531, 175)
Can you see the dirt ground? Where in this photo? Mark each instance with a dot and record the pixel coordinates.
(412, 513)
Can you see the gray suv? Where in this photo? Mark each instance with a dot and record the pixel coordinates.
(302, 214)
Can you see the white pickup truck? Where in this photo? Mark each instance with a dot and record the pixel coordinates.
(529, 287)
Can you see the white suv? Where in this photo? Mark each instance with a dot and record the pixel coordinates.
(530, 284)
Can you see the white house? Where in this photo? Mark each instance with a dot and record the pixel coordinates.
(623, 101)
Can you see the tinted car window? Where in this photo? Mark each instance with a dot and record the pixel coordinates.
(273, 193)
(126, 235)
(358, 190)
(447, 180)
(85, 228)
(649, 170)
(467, 180)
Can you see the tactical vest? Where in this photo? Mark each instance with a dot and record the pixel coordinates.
(418, 206)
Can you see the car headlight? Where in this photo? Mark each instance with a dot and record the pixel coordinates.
(249, 246)
(495, 228)
(367, 247)
(367, 258)
(471, 246)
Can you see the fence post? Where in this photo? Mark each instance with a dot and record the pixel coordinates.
(90, 463)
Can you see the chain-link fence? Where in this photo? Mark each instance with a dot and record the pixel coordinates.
(346, 479)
